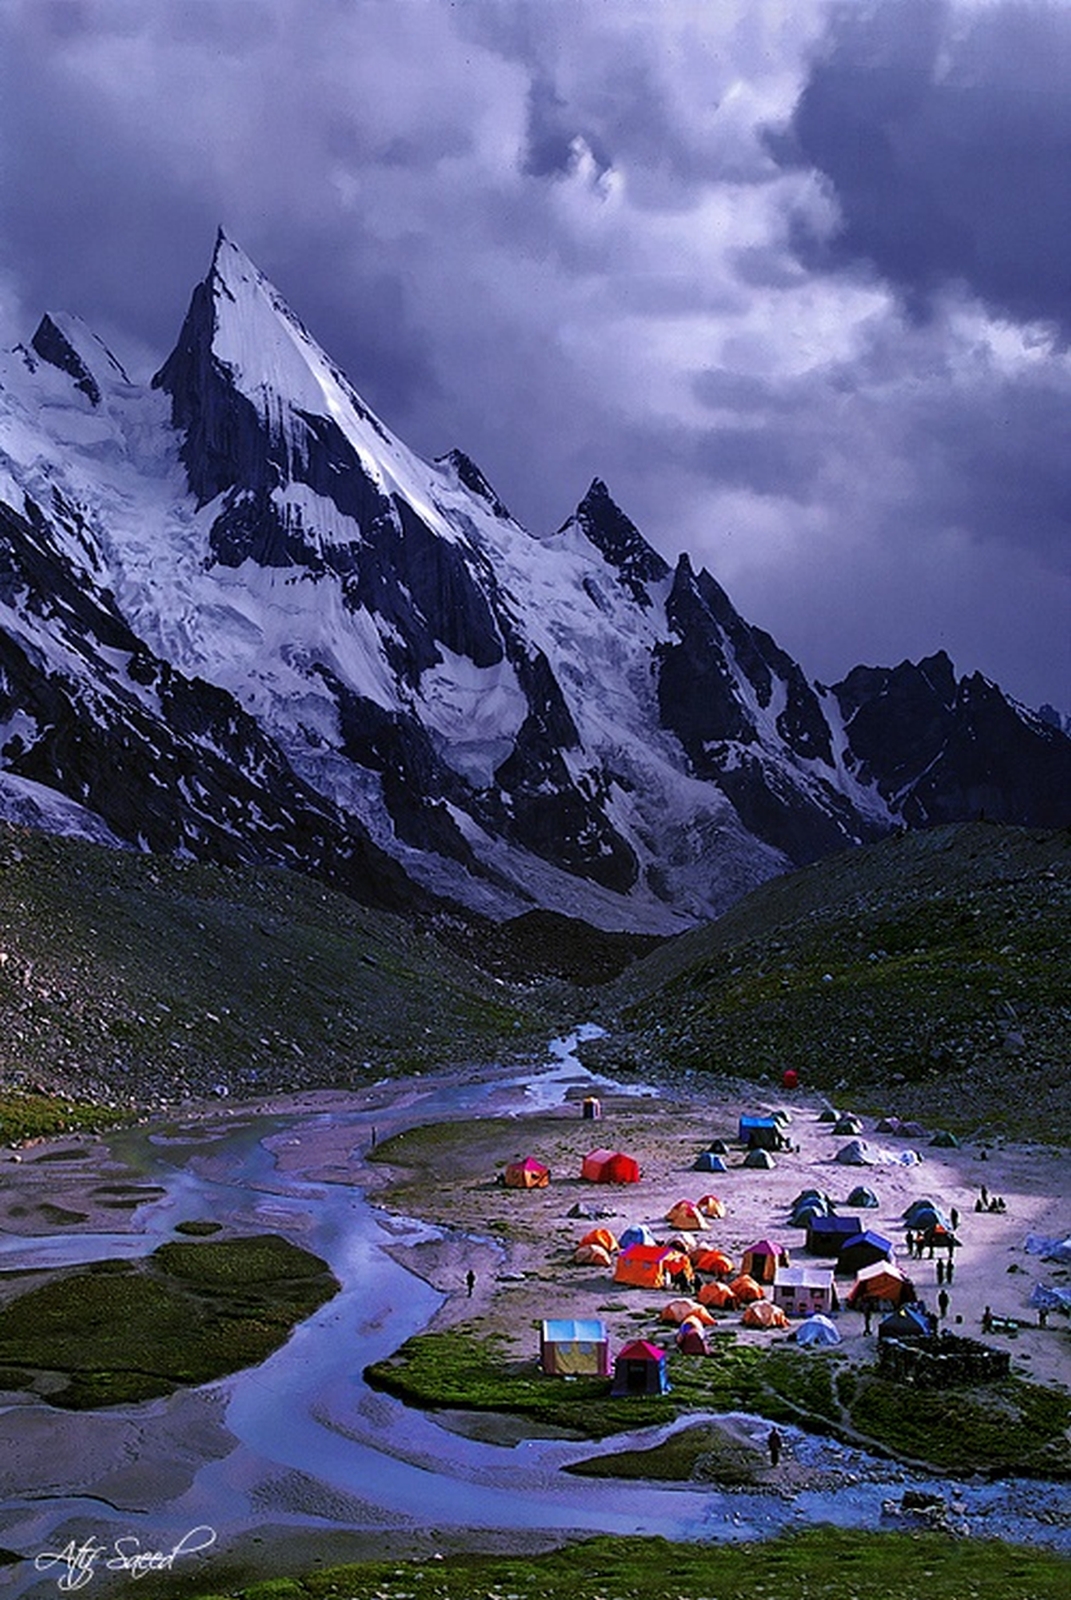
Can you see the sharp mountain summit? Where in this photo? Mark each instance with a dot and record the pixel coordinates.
(241, 622)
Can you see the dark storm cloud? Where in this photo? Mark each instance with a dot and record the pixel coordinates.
(945, 135)
(554, 233)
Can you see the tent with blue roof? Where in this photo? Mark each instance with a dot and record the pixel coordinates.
(574, 1347)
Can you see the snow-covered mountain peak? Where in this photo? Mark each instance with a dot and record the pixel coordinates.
(64, 342)
(241, 619)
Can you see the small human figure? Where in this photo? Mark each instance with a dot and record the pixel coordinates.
(987, 1321)
(940, 1270)
(978, 1206)
(1043, 1317)
(985, 1195)
(942, 1304)
(910, 1242)
(954, 1219)
(949, 1270)
(868, 1312)
(930, 1242)
(773, 1445)
(470, 1282)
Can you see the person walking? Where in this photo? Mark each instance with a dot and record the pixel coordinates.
(949, 1270)
(940, 1270)
(470, 1282)
(773, 1445)
(942, 1304)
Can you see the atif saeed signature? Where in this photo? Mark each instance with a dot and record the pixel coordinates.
(78, 1563)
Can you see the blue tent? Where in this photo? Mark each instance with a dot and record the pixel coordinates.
(707, 1161)
(636, 1234)
(826, 1236)
(863, 1250)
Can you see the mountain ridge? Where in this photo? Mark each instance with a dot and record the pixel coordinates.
(240, 619)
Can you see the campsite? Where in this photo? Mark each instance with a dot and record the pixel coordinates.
(469, 1365)
(808, 1235)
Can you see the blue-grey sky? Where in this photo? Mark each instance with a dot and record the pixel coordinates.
(792, 276)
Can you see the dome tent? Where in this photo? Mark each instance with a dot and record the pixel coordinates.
(707, 1161)
(862, 1196)
(759, 1158)
(817, 1330)
(636, 1233)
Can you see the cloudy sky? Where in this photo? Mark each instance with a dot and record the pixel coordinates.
(792, 276)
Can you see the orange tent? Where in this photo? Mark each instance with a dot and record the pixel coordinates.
(592, 1255)
(527, 1174)
(685, 1310)
(716, 1294)
(714, 1261)
(610, 1166)
(649, 1266)
(764, 1314)
(745, 1289)
(711, 1206)
(685, 1214)
(602, 1237)
(761, 1261)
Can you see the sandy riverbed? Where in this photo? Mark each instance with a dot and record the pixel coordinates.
(520, 1243)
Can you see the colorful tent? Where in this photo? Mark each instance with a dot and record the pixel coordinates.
(574, 1347)
(713, 1261)
(636, 1233)
(687, 1215)
(691, 1339)
(817, 1330)
(707, 1161)
(600, 1236)
(718, 1295)
(745, 1289)
(826, 1235)
(527, 1174)
(763, 1314)
(908, 1321)
(640, 1368)
(761, 1261)
(761, 1133)
(650, 1266)
(680, 1310)
(592, 1255)
(610, 1166)
(882, 1283)
(863, 1250)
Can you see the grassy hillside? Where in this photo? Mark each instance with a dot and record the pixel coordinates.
(130, 978)
(929, 970)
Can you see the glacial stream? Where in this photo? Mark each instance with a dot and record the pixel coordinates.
(308, 1446)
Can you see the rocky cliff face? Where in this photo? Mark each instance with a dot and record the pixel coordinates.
(239, 618)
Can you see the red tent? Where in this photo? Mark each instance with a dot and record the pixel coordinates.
(610, 1166)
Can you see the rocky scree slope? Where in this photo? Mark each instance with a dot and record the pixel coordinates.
(923, 975)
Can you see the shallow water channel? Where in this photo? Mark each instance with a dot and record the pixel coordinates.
(307, 1446)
